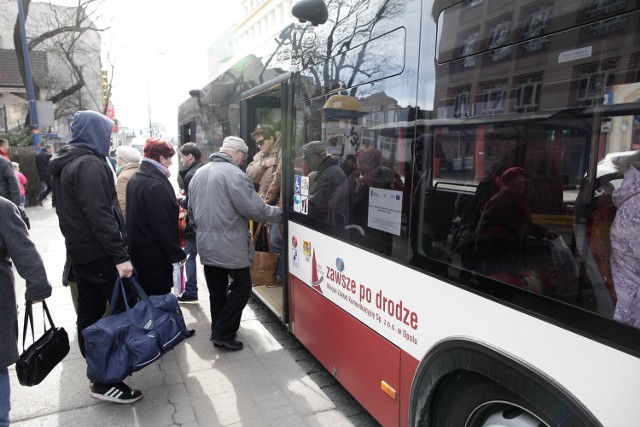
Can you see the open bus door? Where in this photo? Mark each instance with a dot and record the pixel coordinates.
(268, 105)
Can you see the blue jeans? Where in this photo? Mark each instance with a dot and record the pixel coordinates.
(5, 397)
(191, 269)
(276, 247)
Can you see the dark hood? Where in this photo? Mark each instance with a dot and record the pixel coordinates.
(91, 130)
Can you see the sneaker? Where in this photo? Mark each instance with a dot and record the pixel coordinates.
(188, 300)
(117, 393)
(232, 344)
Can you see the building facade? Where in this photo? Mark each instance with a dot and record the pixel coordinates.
(260, 20)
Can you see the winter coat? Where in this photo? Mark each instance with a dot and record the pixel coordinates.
(506, 217)
(22, 181)
(16, 247)
(222, 200)
(9, 186)
(121, 185)
(327, 180)
(187, 174)
(42, 164)
(261, 174)
(85, 193)
(274, 194)
(625, 248)
(152, 228)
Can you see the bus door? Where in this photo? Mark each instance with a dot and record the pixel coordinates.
(265, 106)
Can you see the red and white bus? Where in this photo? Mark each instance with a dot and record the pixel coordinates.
(399, 282)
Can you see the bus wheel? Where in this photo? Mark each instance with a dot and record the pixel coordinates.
(472, 400)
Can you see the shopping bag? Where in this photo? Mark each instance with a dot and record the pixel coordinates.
(43, 355)
(178, 278)
(264, 265)
(563, 257)
(120, 344)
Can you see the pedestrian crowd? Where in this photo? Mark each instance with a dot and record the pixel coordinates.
(120, 219)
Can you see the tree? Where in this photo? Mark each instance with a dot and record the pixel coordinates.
(71, 41)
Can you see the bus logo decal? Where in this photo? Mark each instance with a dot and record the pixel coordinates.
(306, 247)
(316, 276)
(339, 264)
(296, 184)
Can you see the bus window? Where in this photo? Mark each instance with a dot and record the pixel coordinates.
(554, 127)
(369, 205)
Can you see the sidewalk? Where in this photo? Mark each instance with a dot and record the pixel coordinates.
(193, 385)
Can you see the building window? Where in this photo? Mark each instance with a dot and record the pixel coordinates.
(468, 49)
(617, 23)
(527, 94)
(591, 82)
(597, 8)
(461, 102)
(492, 99)
(535, 24)
(498, 38)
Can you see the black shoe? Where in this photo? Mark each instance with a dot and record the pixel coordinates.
(235, 335)
(191, 332)
(231, 344)
(117, 393)
(188, 300)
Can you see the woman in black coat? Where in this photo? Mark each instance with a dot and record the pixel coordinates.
(152, 219)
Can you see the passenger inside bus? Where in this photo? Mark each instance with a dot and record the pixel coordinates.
(502, 236)
(327, 179)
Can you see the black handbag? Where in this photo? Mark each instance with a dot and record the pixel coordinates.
(43, 355)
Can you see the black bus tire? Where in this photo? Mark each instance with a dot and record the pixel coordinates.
(470, 399)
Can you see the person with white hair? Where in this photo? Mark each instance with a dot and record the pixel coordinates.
(222, 200)
(127, 163)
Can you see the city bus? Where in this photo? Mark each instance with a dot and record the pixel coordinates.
(398, 280)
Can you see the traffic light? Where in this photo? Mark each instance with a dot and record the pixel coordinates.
(105, 88)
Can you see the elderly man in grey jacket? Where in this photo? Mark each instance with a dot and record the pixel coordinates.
(222, 200)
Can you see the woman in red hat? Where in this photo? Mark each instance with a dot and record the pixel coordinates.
(505, 224)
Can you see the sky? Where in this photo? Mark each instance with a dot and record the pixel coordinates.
(159, 53)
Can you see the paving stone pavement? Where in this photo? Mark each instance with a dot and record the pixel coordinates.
(274, 381)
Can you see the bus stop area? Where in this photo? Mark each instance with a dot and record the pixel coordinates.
(272, 381)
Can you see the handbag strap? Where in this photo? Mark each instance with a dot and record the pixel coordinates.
(118, 289)
(28, 320)
(257, 234)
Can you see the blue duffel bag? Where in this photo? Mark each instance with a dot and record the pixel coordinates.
(120, 344)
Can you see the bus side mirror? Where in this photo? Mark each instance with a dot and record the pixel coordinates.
(313, 11)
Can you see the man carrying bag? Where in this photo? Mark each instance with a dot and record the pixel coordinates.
(91, 223)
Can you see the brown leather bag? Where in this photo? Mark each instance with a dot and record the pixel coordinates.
(264, 266)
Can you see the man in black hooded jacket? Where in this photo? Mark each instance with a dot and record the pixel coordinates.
(91, 222)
